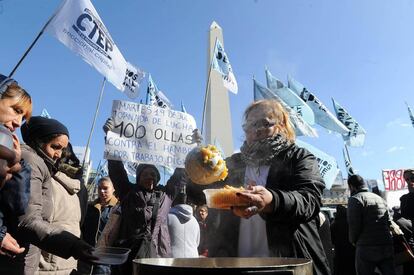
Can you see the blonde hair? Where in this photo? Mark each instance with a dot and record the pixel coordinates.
(24, 101)
(278, 113)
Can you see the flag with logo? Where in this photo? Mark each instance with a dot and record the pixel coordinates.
(155, 96)
(410, 113)
(290, 98)
(328, 167)
(301, 127)
(348, 164)
(356, 135)
(78, 26)
(221, 63)
(323, 116)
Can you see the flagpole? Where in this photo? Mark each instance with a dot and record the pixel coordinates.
(34, 42)
(94, 120)
(350, 162)
(207, 87)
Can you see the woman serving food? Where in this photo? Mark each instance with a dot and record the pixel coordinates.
(280, 204)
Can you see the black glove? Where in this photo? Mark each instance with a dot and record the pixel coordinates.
(81, 250)
(109, 125)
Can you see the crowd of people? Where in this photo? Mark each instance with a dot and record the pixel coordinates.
(47, 225)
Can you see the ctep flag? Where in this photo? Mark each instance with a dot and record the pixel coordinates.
(323, 116)
(301, 127)
(78, 26)
(410, 113)
(155, 96)
(221, 63)
(356, 136)
(290, 98)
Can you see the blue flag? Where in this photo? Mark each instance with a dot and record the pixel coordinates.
(221, 63)
(356, 135)
(326, 163)
(301, 127)
(155, 96)
(323, 116)
(290, 98)
(410, 113)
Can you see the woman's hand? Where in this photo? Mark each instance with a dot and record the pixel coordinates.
(10, 247)
(259, 199)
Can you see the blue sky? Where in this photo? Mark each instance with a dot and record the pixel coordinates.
(359, 52)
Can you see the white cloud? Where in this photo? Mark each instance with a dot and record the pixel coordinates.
(395, 149)
(398, 122)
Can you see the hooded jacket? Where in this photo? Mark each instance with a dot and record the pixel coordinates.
(184, 232)
(36, 225)
(67, 214)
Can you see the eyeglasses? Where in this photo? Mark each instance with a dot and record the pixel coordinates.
(258, 126)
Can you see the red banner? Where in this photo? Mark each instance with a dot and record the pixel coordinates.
(394, 179)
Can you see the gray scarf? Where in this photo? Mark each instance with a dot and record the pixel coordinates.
(263, 151)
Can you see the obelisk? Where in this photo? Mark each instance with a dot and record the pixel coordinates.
(217, 117)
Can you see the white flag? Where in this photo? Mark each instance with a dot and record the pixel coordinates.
(356, 135)
(78, 26)
(155, 96)
(221, 63)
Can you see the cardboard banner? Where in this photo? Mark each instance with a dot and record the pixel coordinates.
(149, 134)
(394, 179)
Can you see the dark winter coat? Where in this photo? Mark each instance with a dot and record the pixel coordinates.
(136, 212)
(296, 185)
(368, 219)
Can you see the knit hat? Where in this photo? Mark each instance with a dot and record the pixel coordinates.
(141, 168)
(39, 127)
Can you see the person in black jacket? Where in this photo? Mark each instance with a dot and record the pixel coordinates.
(284, 189)
(344, 259)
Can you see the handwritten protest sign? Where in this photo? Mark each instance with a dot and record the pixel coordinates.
(149, 134)
(395, 186)
(394, 179)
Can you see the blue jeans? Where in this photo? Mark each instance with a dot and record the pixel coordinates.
(367, 258)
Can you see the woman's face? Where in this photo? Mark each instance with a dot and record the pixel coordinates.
(148, 178)
(259, 124)
(10, 116)
(55, 147)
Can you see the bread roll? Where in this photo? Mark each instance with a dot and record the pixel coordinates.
(205, 165)
(224, 198)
